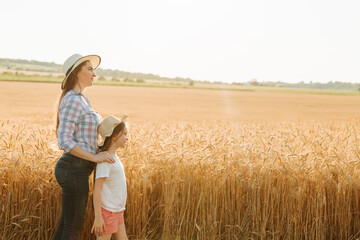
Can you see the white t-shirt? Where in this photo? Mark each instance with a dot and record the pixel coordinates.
(113, 194)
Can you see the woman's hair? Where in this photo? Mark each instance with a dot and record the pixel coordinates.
(69, 85)
(117, 130)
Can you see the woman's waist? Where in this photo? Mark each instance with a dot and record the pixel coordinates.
(73, 160)
(88, 146)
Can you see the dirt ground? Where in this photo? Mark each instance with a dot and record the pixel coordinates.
(37, 102)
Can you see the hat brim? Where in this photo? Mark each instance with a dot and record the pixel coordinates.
(107, 126)
(95, 61)
(108, 133)
(101, 143)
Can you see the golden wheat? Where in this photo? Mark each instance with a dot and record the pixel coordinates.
(213, 180)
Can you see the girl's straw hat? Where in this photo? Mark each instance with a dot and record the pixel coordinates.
(107, 127)
(75, 60)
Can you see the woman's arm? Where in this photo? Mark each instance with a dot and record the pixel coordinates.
(98, 158)
(99, 224)
(70, 112)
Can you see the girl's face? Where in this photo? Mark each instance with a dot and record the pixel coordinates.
(86, 75)
(122, 138)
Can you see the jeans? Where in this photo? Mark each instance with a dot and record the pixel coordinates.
(72, 174)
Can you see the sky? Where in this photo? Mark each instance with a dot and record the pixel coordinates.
(213, 40)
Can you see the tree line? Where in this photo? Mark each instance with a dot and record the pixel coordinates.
(37, 66)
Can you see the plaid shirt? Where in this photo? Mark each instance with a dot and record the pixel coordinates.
(78, 123)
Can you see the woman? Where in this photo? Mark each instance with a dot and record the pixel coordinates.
(76, 129)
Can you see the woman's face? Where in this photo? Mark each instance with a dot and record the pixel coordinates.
(86, 75)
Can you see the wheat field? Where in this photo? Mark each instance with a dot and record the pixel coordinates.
(201, 165)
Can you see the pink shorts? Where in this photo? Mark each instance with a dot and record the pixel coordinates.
(112, 220)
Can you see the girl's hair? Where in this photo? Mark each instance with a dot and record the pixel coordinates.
(69, 85)
(117, 130)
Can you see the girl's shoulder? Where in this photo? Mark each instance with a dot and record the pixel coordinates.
(118, 161)
(117, 158)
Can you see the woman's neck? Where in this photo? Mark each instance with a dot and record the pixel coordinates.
(78, 88)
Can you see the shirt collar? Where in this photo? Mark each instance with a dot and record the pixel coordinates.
(75, 92)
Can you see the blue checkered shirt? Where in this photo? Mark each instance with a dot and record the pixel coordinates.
(78, 123)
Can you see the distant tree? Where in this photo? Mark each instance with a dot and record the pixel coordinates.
(237, 83)
(102, 78)
(254, 82)
(128, 80)
(139, 80)
(191, 83)
(115, 79)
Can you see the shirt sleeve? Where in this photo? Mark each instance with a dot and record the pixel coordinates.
(102, 170)
(70, 112)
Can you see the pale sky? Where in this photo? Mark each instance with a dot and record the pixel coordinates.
(214, 40)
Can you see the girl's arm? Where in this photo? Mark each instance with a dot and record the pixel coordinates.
(99, 225)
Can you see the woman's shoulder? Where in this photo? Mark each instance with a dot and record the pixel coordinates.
(73, 94)
(71, 97)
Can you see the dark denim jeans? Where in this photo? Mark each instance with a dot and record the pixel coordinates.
(72, 174)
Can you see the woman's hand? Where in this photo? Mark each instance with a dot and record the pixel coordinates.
(98, 226)
(104, 157)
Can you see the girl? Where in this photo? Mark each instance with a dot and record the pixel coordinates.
(76, 129)
(110, 183)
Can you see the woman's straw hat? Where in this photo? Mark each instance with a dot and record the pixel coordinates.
(75, 60)
(107, 127)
